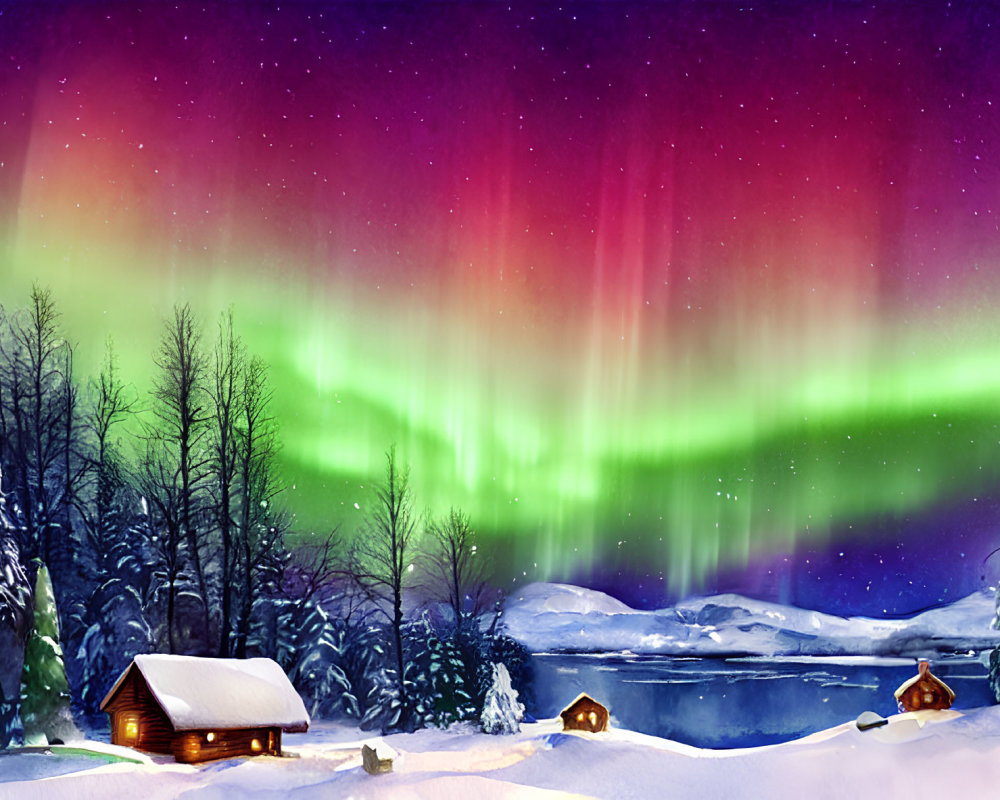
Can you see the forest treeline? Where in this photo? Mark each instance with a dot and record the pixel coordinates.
(162, 519)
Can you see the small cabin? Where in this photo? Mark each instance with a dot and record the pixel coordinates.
(198, 709)
(585, 714)
(924, 690)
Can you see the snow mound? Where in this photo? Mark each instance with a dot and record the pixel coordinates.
(561, 597)
(557, 617)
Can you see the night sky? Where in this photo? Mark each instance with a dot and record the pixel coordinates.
(670, 297)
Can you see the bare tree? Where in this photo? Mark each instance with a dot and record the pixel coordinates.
(380, 559)
(158, 482)
(316, 572)
(261, 525)
(37, 403)
(227, 377)
(111, 403)
(455, 565)
(179, 463)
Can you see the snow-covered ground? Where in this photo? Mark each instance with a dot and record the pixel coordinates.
(925, 755)
(552, 616)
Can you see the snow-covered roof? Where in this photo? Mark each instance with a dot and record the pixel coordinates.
(583, 696)
(197, 693)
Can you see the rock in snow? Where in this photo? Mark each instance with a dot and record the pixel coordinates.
(869, 719)
(378, 759)
(558, 617)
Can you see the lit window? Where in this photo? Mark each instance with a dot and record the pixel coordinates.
(579, 717)
(928, 697)
(210, 737)
(129, 727)
(255, 745)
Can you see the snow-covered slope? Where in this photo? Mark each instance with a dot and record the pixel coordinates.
(552, 616)
(930, 754)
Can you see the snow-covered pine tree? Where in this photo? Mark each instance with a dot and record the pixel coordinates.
(45, 696)
(502, 712)
(114, 624)
(15, 622)
(314, 657)
(442, 690)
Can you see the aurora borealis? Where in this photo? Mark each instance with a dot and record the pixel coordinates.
(669, 297)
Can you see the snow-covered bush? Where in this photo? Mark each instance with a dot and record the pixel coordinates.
(502, 712)
(515, 658)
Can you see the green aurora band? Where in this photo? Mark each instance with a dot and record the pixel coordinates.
(698, 293)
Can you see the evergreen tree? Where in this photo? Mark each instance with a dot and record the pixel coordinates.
(45, 695)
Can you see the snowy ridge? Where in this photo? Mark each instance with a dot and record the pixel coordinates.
(559, 617)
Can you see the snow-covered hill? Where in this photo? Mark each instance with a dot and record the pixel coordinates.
(558, 617)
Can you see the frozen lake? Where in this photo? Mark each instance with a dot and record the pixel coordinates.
(741, 702)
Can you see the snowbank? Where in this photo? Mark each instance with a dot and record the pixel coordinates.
(558, 617)
(924, 755)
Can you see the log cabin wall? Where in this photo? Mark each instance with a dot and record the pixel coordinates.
(585, 714)
(925, 694)
(205, 745)
(136, 718)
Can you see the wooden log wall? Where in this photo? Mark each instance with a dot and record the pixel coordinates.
(205, 745)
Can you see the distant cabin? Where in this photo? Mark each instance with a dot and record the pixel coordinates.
(585, 714)
(924, 690)
(197, 709)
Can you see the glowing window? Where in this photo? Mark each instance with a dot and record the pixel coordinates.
(579, 717)
(130, 727)
(928, 697)
(593, 719)
(210, 737)
(255, 745)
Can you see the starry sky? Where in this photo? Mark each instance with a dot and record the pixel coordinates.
(670, 297)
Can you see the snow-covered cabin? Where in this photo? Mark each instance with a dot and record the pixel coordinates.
(924, 690)
(585, 714)
(198, 709)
